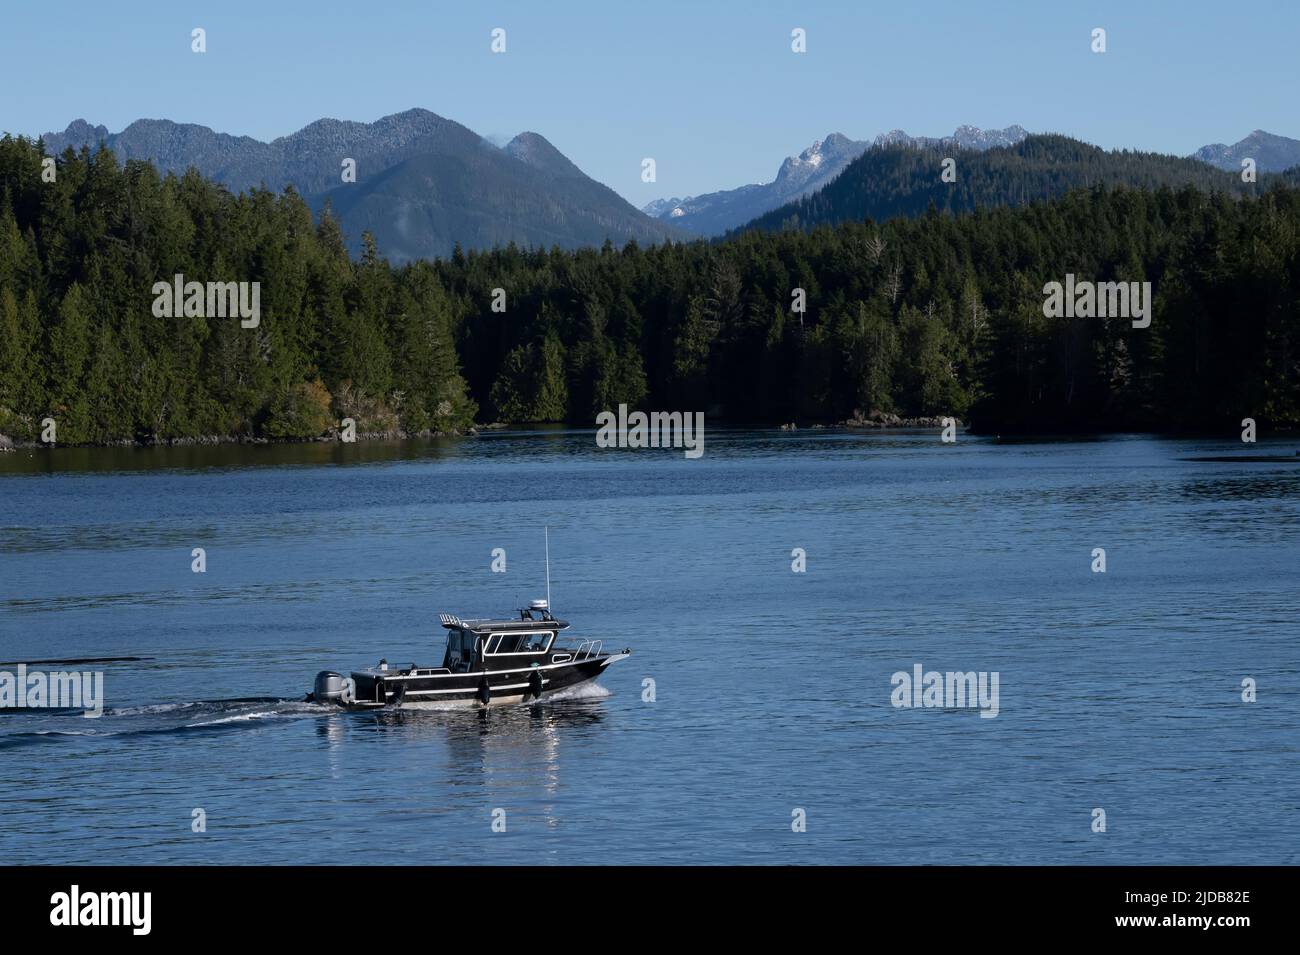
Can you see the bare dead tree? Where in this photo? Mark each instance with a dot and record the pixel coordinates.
(895, 283)
(876, 248)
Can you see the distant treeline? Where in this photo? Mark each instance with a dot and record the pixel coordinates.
(933, 315)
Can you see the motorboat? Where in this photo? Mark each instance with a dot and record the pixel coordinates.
(486, 662)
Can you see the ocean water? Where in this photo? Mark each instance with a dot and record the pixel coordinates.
(771, 703)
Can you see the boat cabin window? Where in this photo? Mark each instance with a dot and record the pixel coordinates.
(536, 642)
(504, 643)
(500, 643)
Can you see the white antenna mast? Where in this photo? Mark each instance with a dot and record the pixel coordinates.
(547, 532)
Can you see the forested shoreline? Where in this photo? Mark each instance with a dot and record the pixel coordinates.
(932, 315)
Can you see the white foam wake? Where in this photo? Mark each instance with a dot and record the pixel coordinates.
(583, 691)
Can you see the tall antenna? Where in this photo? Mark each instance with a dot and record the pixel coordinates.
(547, 532)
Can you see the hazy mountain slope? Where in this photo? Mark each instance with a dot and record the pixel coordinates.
(239, 162)
(536, 151)
(481, 198)
(889, 181)
(716, 212)
(1271, 153)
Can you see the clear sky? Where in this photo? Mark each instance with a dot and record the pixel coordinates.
(710, 90)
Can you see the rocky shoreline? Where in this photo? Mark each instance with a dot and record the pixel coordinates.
(884, 419)
(879, 421)
(875, 421)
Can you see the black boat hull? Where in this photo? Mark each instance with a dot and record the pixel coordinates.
(440, 690)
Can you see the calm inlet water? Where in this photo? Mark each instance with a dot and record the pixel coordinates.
(1119, 691)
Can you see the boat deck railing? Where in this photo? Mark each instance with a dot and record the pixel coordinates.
(582, 651)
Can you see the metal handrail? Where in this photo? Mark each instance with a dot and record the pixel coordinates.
(584, 650)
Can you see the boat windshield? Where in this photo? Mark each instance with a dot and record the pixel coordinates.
(527, 642)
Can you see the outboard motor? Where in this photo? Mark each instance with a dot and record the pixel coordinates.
(328, 687)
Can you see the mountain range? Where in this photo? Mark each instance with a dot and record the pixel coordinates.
(717, 212)
(424, 183)
(892, 181)
(1271, 153)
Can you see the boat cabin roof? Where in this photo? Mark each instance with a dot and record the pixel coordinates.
(528, 620)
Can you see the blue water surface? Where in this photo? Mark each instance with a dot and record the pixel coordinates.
(771, 695)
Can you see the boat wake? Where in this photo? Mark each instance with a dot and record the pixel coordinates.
(153, 709)
(37, 726)
(583, 691)
(31, 727)
(278, 709)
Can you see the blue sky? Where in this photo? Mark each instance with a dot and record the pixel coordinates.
(711, 91)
